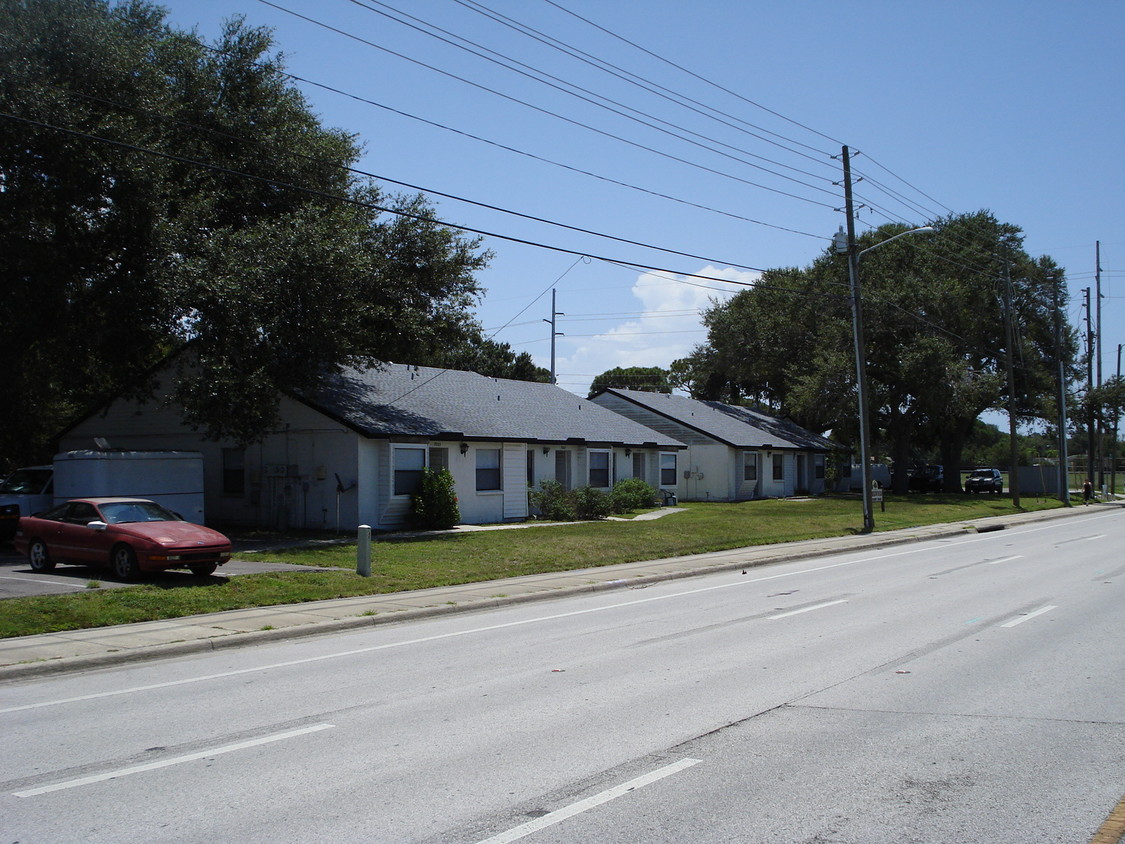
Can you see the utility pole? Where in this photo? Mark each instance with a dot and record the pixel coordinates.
(1089, 388)
(1064, 466)
(860, 352)
(1013, 453)
(554, 313)
(1098, 342)
(1116, 425)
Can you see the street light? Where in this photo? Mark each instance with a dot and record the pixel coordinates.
(845, 243)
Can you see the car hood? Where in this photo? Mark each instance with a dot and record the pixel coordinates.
(173, 533)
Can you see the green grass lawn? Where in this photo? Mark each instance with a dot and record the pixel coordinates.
(417, 563)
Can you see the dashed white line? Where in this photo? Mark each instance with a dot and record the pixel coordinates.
(807, 609)
(164, 763)
(573, 809)
(1005, 560)
(1028, 616)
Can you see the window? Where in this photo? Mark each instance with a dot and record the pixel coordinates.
(779, 467)
(818, 467)
(234, 471)
(639, 466)
(408, 465)
(667, 468)
(749, 465)
(488, 469)
(530, 468)
(82, 513)
(599, 469)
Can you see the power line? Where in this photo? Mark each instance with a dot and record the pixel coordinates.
(533, 73)
(423, 189)
(548, 112)
(700, 78)
(628, 76)
(359, 203)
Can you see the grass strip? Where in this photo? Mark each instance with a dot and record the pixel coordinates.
(407, 563)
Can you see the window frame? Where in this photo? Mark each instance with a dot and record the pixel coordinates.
(397, 473)
(490, 474)
(673, 469)
(590, 470)
(750, 466)
(234, 471)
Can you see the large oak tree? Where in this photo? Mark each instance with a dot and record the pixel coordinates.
(936, 341)
(155, 190)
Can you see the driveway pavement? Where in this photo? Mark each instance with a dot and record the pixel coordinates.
(18, 580)
(87, 649)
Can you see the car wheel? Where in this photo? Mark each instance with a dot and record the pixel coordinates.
(38, 556)
(124, 563)
(205, 570)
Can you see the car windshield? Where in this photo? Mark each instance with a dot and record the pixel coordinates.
(981, 473)
(120, 512)
(25, 482)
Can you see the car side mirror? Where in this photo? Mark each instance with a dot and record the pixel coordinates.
(96, 525)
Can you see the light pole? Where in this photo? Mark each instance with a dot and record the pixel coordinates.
(845, 243)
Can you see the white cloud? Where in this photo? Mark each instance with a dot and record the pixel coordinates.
(668, 327)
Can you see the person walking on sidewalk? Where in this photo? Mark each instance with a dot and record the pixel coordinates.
(1087, 491)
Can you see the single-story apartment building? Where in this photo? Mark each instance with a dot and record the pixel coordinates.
(733, 453)
(353, 453)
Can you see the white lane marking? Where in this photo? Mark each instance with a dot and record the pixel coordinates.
(178, 760)
(749, 581)
(807, 609)
(1089, 538)
(573, 809)
(1021, 619)
(1005, 560)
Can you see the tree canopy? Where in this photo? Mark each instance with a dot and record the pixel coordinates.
(651, 379)
(936, 341)
(156, 191)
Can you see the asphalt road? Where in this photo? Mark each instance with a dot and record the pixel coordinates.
(970, 689)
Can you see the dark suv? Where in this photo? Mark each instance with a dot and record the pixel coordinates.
(984, 480)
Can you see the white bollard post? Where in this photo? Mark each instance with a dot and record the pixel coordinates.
(363, 551)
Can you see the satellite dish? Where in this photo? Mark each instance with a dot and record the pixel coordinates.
(102, 443)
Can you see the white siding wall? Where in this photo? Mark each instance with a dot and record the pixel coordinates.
(290, 476)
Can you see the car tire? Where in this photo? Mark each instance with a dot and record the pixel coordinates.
(123, 561)
(39, 557)
(204, 570)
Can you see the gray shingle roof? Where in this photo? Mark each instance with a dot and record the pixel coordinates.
(736, 426)
(402, 400)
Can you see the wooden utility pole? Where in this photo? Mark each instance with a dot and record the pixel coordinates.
(1089, 389)
(1013, 450)
(1064, 466)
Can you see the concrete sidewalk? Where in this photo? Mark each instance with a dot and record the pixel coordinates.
(78, 650)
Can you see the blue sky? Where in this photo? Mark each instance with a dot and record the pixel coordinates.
(1015, 107)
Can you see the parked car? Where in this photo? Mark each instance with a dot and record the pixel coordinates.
(127, 535)
(926, 479)
(984, 480)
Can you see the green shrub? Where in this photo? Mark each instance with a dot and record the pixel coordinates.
(434, 507)
(553, 502)
(631, 494)
(591, 503)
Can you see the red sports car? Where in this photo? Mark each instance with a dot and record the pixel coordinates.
(129, 535)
